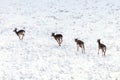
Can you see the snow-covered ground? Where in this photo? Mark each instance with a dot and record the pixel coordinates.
(38, 56)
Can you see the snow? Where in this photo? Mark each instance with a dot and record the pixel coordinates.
(38, 56)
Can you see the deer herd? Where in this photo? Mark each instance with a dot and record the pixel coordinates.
(59, 39)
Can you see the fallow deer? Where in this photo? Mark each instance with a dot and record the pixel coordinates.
(80, 44)
(20, 33)
(58, 38)
(102, 47)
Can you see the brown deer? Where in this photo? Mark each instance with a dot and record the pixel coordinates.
(102, 47)
(80, 44)
(20, 33)
(58, 38)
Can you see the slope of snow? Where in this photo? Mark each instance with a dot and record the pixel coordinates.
(38, 56)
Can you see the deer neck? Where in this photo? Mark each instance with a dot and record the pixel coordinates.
(16, 32)
(99, 43)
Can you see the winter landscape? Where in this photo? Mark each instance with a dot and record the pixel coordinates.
(38, 56)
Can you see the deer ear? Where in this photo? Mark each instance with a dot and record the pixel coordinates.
(75, 39)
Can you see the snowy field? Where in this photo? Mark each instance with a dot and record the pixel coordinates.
(38, 56)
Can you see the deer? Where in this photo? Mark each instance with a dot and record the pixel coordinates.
(80, 44)
(101, 47)
(58, 38)
(19, 33)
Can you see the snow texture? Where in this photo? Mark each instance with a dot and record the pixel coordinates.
(38, 56)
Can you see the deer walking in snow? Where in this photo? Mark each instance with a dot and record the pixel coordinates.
(80, 44)
(102, 47)
(20, 33)
(58, 38)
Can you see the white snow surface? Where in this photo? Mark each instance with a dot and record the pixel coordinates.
(38, 56)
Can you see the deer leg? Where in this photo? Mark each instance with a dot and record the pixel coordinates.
(82, 48)
(22, 36)
(77, 47)
(19, 37)
(61, 40)
(104, 52)
(58, 42)
(98, 51)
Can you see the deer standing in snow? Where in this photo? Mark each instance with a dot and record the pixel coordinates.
(80, 44)
(58, 38)
(20, 33)
(102, 47)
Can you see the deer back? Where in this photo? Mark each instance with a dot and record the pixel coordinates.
(21, 32)
(58, 36)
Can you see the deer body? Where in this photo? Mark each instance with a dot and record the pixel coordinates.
(20, 33)
(80, 44)
(58, 38)
(102, 47)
